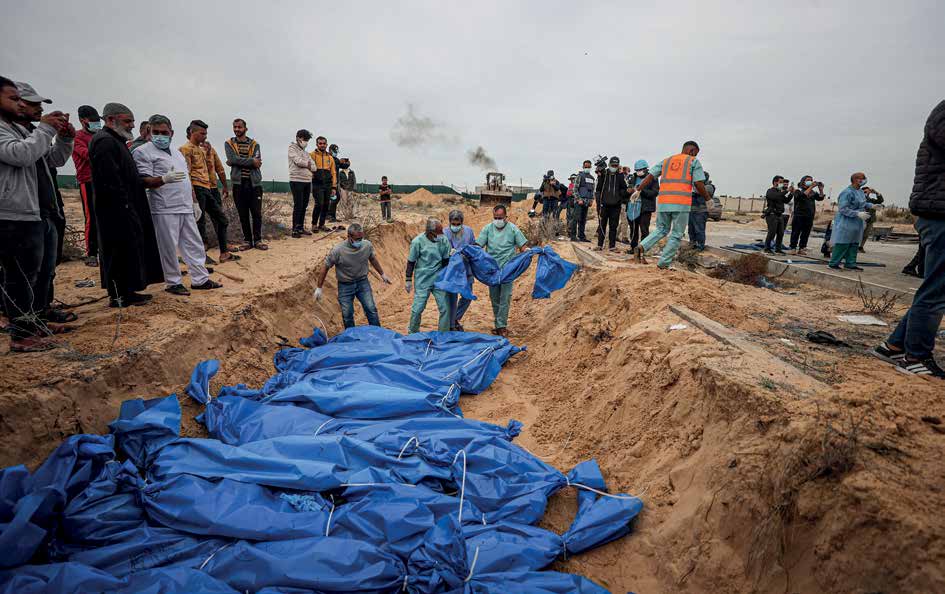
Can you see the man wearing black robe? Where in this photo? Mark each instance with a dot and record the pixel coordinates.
(130, 260)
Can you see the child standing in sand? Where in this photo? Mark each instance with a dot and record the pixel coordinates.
(384, 193)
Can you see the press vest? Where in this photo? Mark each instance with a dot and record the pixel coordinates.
(676, 180)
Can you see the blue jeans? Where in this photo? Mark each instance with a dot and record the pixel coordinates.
(916, 330)
(697, 221)
(362, 290)
(672, 223)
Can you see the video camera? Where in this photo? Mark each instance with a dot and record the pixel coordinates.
(600, 162)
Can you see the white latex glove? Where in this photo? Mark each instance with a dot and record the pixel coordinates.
(635, 196)
(197, 212)
(409, 286)
(172, 177)
(863, 215)
(385, 279)
(452, 252)
(318, 294)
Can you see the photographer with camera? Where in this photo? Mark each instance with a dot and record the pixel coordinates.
(776, 197)
(806, 196)
(611, 194)
(582, 196)
(550, 192)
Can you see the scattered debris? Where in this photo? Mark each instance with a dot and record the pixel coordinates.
(862, 320)
(677, 327)
(85, 283)
(822, 337)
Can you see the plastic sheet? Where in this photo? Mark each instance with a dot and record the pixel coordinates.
(552, 273)
(314, 483)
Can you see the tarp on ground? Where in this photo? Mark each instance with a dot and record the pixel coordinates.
(307, 493)
(553, 271)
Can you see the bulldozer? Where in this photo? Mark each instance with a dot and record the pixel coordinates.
(495, 191)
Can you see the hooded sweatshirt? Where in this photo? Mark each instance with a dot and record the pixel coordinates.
(19, 152)
(612, 188)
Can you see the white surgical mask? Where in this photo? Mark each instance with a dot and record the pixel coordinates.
(499, 223)
(612, 169)
(302, 143)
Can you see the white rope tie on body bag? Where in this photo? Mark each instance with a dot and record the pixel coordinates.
(330, 514)
(593, 490)
(322, 426)
(462, 495)
(406, 445)
(212, 555)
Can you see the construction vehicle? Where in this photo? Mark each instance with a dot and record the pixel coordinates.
(495, 191)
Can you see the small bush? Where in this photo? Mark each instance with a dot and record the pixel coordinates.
(882, 303)
(746, 269)
(895, 214)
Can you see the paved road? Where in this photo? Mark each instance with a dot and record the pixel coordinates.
(893, 255)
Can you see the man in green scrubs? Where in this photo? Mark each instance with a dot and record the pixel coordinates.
(429, 254)
(501, 240)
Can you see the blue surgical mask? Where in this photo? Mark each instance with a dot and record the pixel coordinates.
(456, 228)
(356, 244)
(808, 183)
(162, 141)
(863, 183)
(95, 126)
(587, 170)
(499, 223)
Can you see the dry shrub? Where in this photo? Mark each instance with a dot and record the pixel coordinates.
(688, 256)
(825, 452)
(73, 244)
(873, 303)
(745, 269)
(543, 230)
(895, 214)
(361, 208)
(276, 221)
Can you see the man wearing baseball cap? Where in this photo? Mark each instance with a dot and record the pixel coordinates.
(611, 195)
(91, 123)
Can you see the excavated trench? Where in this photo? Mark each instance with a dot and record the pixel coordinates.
(745, 489)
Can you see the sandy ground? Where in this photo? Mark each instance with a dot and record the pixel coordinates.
(829, 481)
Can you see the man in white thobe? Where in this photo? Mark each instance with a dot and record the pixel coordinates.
(163, 171)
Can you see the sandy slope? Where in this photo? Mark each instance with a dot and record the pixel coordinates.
(749, 484)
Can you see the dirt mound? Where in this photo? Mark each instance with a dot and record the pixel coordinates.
(421, 197)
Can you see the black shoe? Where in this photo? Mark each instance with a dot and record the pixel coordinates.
(852, 268)
(832, 267)
(206, 286)
(884, 352)
(911, 272)
(584, 240)
(927, 367)
(211, 260)
(768, 251)
(572, 239)
(92, 261)
(138, 298)
(177, 289)
(861, 250)
(296, 235)
(779, 252)
(305, 232)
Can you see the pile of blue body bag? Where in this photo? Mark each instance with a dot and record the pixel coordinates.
(351, 470)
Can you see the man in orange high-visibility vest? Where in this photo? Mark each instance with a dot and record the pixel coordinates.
(677, 174)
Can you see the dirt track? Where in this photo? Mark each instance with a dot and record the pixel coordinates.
(749, 483)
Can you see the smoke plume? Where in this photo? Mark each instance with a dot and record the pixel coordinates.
(480, 158)
(413, 130)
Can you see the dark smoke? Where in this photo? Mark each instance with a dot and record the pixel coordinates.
(413, 130)
(480, 158)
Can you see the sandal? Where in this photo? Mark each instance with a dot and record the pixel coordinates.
(59, 316)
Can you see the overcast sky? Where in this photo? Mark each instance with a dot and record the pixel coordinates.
(819, 87)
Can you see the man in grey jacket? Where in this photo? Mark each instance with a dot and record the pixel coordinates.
(245, 159)
(21, 226)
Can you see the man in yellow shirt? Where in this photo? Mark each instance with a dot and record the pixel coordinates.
(200, 167)
(324, 183)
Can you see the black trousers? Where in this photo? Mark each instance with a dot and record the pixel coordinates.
(640, 228)
(775, 223)
(301, 192)
(21, 256)
(609, 221)
(917, 262)
(800, 231)
(385, 210)
(212, 206)
(577, 222)
(549, 208)
(320, 194)
(248, 199)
